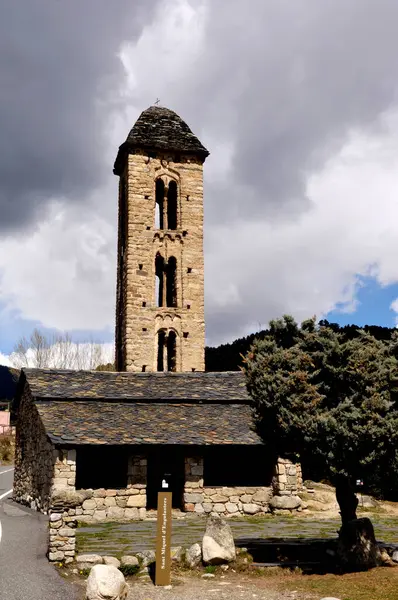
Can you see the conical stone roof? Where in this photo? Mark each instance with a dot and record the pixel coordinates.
(159, 128)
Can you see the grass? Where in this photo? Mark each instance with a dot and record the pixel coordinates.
(210, 569)
(376, 584)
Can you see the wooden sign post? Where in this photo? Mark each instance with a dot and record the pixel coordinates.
(163, 539)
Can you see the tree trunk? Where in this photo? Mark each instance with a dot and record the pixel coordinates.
(357, 548)
(346, 498)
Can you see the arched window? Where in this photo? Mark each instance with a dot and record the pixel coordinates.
(159, 280)
(166, 350)
(171, 282)
(159, 204)
(172, 206)
(171, 351)
(161, 346)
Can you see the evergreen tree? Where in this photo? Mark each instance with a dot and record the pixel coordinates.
(329, 398)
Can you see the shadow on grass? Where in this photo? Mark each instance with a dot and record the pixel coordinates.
(311, 555)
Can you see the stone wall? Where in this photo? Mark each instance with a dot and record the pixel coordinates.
(117, 505)
(138, 318)
(34, 457)
(226, 501)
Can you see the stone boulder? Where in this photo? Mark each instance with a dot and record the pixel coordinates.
(106, 581)
(62, 499)
(129, 561)
(285, 502)
(146, 558)
(87, 561)
(218, 543)
(193, 556)
(112, 560)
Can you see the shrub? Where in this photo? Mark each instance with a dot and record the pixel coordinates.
(7, 447)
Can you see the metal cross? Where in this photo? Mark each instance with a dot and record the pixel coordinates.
(157, 101)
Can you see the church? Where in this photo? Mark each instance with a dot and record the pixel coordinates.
(112, 438)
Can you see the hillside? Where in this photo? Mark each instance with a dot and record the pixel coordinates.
(229, 357)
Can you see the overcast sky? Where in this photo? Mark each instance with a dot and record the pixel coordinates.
(297, 103)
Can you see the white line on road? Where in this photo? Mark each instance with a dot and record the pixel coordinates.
(6, 494)
(8, 470)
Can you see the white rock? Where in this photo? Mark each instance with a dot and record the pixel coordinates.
(106, 581)
(131, 561)
(218, 543)
(395, 556)
(55, 516)
(87, 561)
(112, 560)
(193, 556)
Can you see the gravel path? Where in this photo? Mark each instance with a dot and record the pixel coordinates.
(227, 588)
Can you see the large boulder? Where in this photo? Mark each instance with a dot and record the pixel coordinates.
(285, 502)
(357, 549)
(106, 581)
(218, 543)
(193, 556)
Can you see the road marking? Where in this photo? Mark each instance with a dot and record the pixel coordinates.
(8, 470)
(6, 494)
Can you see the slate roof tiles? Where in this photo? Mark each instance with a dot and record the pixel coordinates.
(91, 407)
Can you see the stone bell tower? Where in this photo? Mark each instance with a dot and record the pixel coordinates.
(160, 275)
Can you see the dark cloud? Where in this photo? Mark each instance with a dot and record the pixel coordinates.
(58, 63)
(286, 81)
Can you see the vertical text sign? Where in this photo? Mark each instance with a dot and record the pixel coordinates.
(163, 539)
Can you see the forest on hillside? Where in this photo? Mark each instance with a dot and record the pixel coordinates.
(229, 357)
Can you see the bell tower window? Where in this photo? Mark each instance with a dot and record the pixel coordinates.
(159, 204)
(161, 348)
(166, 351)
(171, 351)
(159, 280)
(172, 206)
(171, 283)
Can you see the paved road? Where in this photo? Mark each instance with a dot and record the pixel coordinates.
(25, 573)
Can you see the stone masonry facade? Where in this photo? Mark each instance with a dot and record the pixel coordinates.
(139, 319)
(35, 458)
(227, 501)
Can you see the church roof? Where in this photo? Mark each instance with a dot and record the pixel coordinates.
(92, 407)
(120, 423)
(209, 387)
(159, 128)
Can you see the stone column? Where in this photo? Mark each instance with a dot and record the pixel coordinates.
(137, 480)
(193, 488)
(287, 478)
(62, 526)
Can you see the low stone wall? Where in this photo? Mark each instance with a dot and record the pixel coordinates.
(226, 501)
(229, 501)
(113, 505)
(127, 504)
